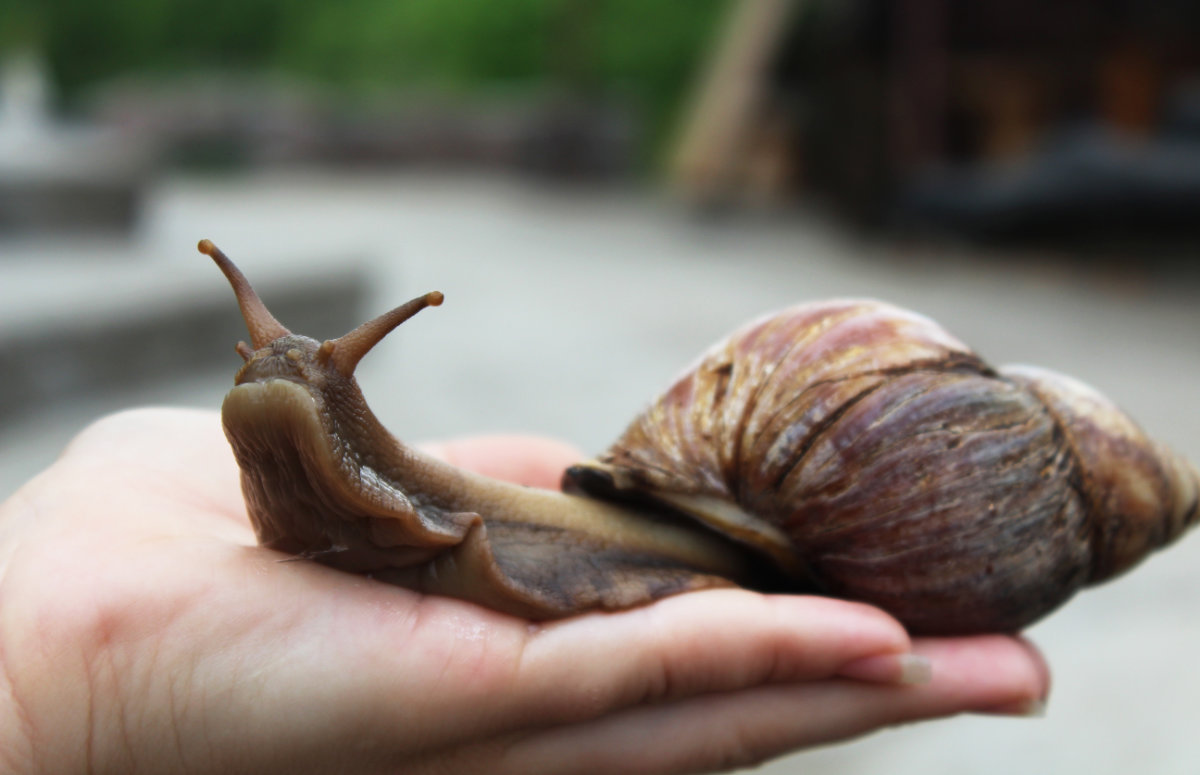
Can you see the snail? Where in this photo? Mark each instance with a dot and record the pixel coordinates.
(848, 448)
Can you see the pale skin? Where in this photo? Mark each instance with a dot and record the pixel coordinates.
(141, 629)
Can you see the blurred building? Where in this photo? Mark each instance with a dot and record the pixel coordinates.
(992, 118)
(57, 176)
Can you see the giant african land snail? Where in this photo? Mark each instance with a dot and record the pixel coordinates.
(846, 447)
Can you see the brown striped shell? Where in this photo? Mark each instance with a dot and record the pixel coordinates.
(875, 457)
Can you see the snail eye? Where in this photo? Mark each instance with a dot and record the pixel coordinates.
(294, 355)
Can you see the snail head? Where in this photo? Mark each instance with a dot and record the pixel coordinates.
(275, 352)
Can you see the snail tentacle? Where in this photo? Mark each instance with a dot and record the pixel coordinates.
(263, 326)
(346, 351)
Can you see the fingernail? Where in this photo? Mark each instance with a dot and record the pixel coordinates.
(1031, 708)
(905, 669)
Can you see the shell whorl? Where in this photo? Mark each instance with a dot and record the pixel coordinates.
(1141, 495)
(874, 456)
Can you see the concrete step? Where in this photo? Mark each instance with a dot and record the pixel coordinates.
(80, 317)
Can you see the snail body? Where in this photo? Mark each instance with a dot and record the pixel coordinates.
(849, 448)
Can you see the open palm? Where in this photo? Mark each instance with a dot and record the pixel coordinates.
(141, 629)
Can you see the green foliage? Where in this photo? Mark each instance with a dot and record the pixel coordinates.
(652, 51)
(418, 42)
(644, 50)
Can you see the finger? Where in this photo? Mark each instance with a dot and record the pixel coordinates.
(483, 675)
(530, 460)
(712, 641)
(480, 675)
(732, 730)
(961, 652)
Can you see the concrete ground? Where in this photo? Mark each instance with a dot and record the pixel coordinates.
(566, 310)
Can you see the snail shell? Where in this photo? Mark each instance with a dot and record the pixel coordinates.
(875, 457)
(847, 447)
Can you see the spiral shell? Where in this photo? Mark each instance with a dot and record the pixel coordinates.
(873, 456)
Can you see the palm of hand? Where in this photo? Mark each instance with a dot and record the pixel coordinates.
(141, 627)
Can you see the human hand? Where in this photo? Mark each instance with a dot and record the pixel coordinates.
(142, 629)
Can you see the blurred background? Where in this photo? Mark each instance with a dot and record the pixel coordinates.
(602, 188)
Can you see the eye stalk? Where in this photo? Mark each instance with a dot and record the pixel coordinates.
(346, 351)
(261, 324)
(342, 353)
